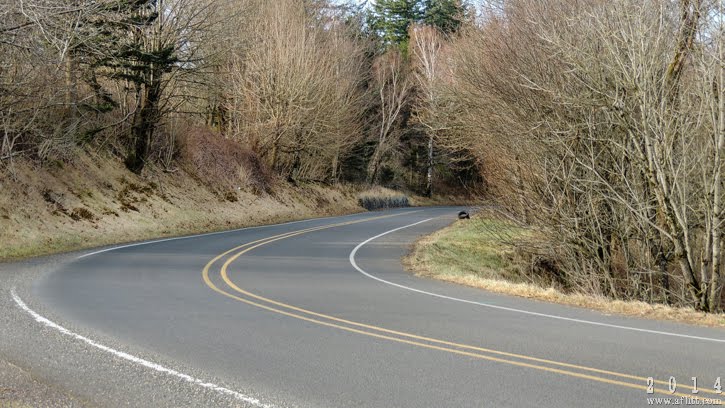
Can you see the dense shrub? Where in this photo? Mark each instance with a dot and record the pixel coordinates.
(381, 198)
(223, 164)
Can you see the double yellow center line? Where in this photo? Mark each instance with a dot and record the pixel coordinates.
(235, 292)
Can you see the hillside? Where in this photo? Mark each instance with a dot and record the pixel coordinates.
(94, 200)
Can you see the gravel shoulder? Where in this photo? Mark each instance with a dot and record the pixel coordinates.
(23, 382)
(19, 389)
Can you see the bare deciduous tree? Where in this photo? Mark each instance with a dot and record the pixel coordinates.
(603, 118)
(427, 44)
(297, 95)
(392, 86)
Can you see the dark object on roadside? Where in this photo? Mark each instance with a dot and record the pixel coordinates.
(463, 216)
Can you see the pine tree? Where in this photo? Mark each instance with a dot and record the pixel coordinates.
(125, 40)
(446, 15)
(391, 19)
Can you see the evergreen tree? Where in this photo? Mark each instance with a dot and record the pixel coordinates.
(390, 20)
(116, 42)
(446, 15)
(131, 41)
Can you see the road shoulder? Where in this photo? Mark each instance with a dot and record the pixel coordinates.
(18, 389)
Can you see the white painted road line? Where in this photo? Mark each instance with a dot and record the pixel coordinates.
(145, 363)
(509, 309)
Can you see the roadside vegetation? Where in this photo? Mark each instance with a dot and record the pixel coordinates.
(95, 200)
(480, 247)
(482, 253)
(381, 198)
(601, 125)
(125, 120)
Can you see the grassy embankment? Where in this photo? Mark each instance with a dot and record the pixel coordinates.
(474, 253)
(95, 201)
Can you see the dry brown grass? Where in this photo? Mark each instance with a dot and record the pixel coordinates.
(12, 403)
(378, 191)
(415, 200)
(377, 198)
(462, 254)
(222, 163)
(96, 201)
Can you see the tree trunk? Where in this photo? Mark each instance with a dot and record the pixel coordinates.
(144, 126)
(335, 164)
(373, 167)
(716, 237)
(429, 176)
(661, 259)
(70, 85)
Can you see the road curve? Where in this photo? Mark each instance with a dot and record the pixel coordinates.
(321, 314)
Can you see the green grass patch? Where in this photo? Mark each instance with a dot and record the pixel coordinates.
(480, 246)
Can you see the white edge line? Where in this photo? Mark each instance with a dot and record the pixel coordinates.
(210, 234)
(510, 309)
(145, 363)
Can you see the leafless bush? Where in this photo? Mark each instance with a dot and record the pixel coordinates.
(295, 94)
(597, 122)
(221, 163)
(382, 198)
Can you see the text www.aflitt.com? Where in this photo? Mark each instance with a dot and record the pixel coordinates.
(683, 401)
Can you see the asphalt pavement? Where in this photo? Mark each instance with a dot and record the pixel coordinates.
(320, 313)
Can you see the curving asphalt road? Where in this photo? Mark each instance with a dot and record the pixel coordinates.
(320, 313)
